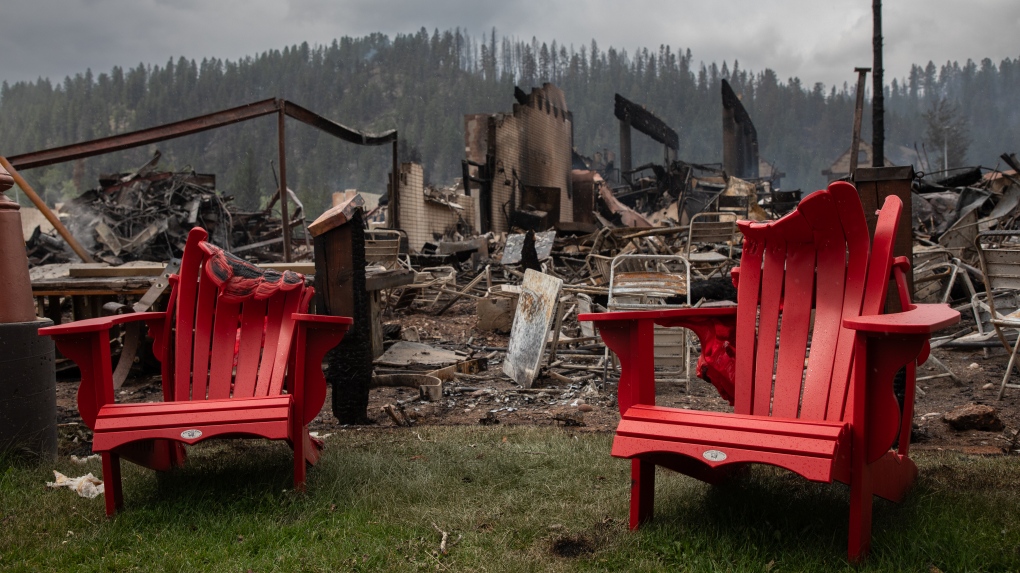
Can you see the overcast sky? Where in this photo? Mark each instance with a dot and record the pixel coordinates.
(817, 41)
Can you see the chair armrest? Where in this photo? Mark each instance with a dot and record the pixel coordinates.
(630, 334)
(319, 321)
(884, 344)
(661, 317)
(97, 324)
(921, 319)
(316, 335)
(87, 344)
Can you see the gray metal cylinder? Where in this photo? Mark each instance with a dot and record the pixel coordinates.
(28, 390)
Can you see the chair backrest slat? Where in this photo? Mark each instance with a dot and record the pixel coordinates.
(294, 301)
(830, 288)
(249, 347)
(233, 326)
(858, 246)
(221, 371)
(798, 292)
(274, 318)
(205, 311)
(800, 277)
(747, 313)
(771, 299)
(185, 324)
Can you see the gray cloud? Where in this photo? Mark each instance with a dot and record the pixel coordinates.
(815, 41)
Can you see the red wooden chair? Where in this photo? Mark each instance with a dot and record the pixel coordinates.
(837, 418)
(239, 357)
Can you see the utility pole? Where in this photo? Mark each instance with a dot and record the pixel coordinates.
(878, 96)
(855, 141)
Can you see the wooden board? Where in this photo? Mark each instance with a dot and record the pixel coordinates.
(306, 268)
(132, 269)
(92, 286)
(375, 281)
(539, 295)
(406, 354)
(336, 216)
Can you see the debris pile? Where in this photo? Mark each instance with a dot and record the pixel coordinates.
(146, 215)
(950, 212)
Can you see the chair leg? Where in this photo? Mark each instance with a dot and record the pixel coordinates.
(861, 498)
(299, 459)
(112, 490)
(1009, 367)
(642, 492)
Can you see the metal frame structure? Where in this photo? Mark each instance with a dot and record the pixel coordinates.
(279, 106)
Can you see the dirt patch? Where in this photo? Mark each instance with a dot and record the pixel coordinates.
(572, 546)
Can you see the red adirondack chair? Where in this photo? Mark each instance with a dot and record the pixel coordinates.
(240, 359)
(836, 419)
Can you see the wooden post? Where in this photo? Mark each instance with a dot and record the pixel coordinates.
(855, 139)
(339, 238)
(874, 184)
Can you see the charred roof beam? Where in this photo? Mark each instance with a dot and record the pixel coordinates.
(646, 122)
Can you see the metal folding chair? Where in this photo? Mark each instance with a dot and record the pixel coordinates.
(1000, 264)
(711, 229)
(642, 282)
(935, 272)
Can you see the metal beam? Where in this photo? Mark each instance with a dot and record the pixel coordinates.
(199, 124)
(645, 121)
(143, 136)
(196, 125)
(335, 129)
(284, 215)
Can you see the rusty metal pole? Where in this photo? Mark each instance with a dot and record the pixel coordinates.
(28, 395)
(281, 116)
(855, 140)
(10, 172)
(394, 219)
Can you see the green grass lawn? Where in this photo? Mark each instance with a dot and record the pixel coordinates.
(511, 499)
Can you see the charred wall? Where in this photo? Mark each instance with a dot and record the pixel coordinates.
(740, 138)
(426, 216)
(531, 146)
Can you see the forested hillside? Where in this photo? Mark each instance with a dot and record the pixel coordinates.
(422, 84)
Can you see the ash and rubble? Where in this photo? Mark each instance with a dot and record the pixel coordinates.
(145, 215)
(529, 201)
(527, 217)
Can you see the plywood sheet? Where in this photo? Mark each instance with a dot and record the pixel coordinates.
(539, 294)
